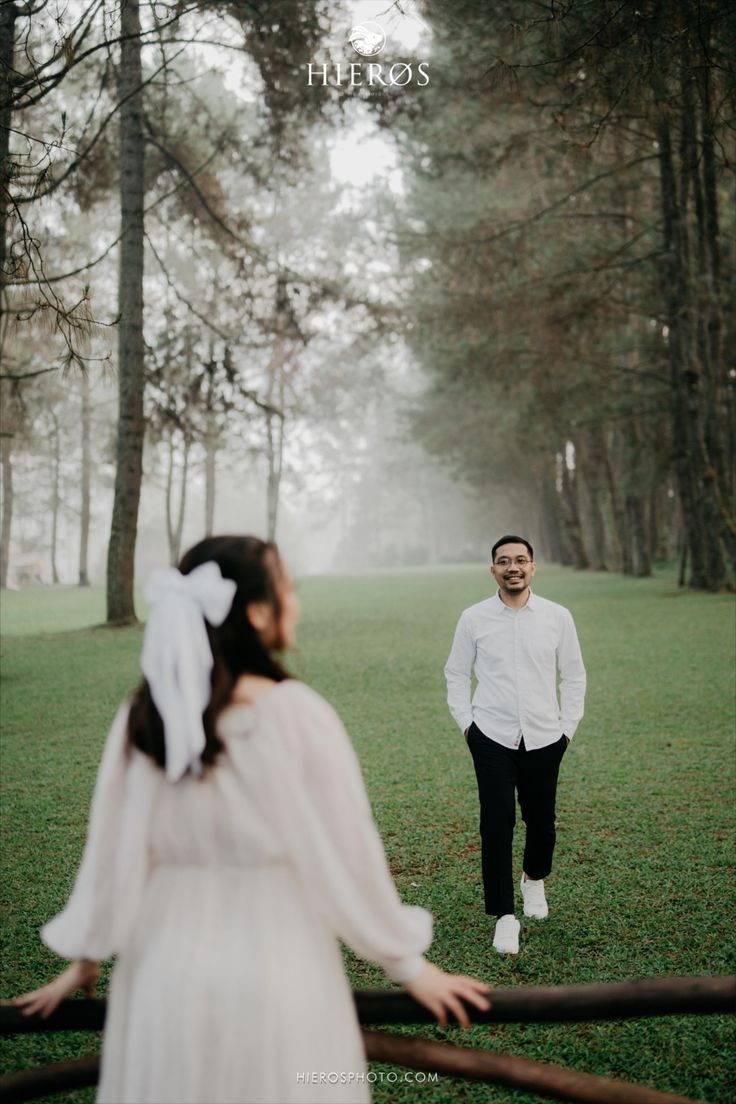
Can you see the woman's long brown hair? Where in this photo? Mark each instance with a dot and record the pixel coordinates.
(237, 648)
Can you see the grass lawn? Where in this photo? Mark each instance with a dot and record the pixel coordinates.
(51, 609)
(47, 609)
(641, 888)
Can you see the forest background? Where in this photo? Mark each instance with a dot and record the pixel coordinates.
(379, 321)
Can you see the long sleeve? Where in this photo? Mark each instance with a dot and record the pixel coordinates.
(458, 670)
(110, 879)
(572, 677)
(328, 828)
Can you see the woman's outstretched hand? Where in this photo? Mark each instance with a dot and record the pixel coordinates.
(442, 993)
(80, 974)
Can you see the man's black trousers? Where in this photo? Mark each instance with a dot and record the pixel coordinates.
(502, 773)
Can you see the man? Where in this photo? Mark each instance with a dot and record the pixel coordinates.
(516, 729)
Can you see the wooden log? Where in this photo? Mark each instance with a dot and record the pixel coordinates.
(71, 1015)
(58, 1077)
(568, 1003)
(554, 1082)
(534, 1004)
(541, 1078)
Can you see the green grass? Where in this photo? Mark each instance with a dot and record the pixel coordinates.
(641, 887)
(50, 609)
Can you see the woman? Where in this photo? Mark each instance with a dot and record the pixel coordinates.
(230, 843)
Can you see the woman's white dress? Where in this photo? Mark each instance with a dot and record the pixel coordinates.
(223, 898)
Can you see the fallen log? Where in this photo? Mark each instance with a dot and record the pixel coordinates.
(553, 1082)
(533, 1004)
(30, 1084)
(616, 1000)
(541, 1078)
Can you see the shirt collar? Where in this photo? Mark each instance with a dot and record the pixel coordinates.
(531, 602)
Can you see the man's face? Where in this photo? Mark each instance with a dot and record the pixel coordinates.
(513, 568)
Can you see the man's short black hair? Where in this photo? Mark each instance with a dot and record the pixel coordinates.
(511, 538)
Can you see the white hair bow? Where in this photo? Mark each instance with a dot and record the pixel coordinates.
(176, 658)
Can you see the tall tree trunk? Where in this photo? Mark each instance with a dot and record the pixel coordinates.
(182, 498)
(620, 531)
(639, 474)
(725, 391)
(6, 454)
(175, 524)
(210, 482)
(682, 547)
(85, 482)
(275, 431)
(657, 524)
(121, 550)
(641, 563)
(701, 164)
(549, 510)
(684, 378)
(8, 15)
(210, 473)
(589, 466)
(55, 497)
(571, 519)
(691, 278)
(275, 441)
(170, 500)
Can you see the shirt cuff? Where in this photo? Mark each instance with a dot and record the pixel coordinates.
(568, 728)
(403, 970)
(466, 723)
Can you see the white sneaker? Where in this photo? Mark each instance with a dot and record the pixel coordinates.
(535, 903)
(506, 935)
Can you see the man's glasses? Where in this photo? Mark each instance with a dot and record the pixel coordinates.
(520, 561)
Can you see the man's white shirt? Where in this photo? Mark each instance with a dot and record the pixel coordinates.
(516, 655)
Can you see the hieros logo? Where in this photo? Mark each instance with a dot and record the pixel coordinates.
(368, 39)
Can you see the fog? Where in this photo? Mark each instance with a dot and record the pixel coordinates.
(382, 502)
